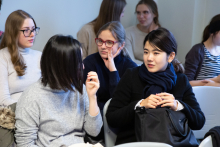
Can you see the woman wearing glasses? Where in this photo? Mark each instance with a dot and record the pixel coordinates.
(110, 10)
(20, 65)
(110, 62)
(147, 15)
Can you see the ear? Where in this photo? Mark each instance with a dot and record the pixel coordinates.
(171, 57)
(122, 46)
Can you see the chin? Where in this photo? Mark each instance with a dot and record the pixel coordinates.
(104, 56)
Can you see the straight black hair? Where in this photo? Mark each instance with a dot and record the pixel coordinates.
(61, 64)
(164, 40)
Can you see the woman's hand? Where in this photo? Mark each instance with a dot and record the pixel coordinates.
(168, 100)
(109, 62)
(92, 84)
(151, 102)
(209, 82)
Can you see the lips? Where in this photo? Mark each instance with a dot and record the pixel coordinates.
(150, 65)
(31, 40)
(103, 52)
(142, 21)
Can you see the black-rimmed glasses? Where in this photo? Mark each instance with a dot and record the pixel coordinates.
(28, 32)
(108, 43)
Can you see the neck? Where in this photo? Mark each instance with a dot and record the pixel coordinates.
(149, 28)
(211, 47)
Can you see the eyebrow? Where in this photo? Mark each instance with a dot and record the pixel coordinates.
(154, 49)
(28, 27)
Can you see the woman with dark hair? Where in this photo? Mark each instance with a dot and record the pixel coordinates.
(159, 81)
(203, 60)
(147, 16)
(110, 62)
(57, 110)
(110, 10)
(20, 65)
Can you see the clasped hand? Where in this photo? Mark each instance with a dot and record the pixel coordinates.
(164, 99)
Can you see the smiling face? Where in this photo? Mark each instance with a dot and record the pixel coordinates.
(103, 50)
(26, 42)
(144, 15)
(155, 59)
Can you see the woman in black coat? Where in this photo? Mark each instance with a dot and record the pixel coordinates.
(159, 81)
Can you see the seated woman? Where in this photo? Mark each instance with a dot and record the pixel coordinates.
(203, 60)
(147, 16)
(57, 110)
(110, 62)
(110, 10)
(19, 65)
(158, 81)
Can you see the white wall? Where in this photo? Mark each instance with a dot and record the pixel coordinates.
(186, 19)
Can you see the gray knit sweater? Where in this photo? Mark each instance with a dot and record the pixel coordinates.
(46, 117)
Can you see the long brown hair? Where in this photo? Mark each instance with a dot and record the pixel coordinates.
(110, 10)
(206, 32)
(153, 6)
(13, 25)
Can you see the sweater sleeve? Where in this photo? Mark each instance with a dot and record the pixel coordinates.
(5, 98)
(114, 77)
(192, 109)
(121, 112)
(83, 38)
(129, 48)
(27, 125)
(92, 124)
(192, 61)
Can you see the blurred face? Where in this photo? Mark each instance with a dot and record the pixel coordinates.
(155, 59)
(144, 15)
(107, 36)
(216, 39)
(26, 42)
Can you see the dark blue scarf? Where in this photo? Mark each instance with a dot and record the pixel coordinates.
(159, 81)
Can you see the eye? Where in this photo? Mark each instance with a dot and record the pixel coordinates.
(146, 12)
(138, 13)
(99, 40)
(156, 53)
(26, 31)
(145, 52)
(109, 42)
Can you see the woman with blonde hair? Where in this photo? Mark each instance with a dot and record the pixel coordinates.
(20, 65)
(110, 10)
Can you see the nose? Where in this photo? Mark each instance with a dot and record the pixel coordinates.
(103, 45)
(150, 57)
(32, 33)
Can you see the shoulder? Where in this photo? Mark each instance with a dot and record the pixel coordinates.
(182, 80)
(129, 63)
(4, 54)
(92, 59)
(197, 48)
(87, 28)
(131, 29)
(132, 72)
(30, 95)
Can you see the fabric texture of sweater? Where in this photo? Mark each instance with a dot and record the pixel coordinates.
(48, 117)
(193, 61)
(134, 43)
(86, 37)
(121, 114)
(108, 80)
(12, 85)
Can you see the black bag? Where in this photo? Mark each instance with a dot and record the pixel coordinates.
(163, 125)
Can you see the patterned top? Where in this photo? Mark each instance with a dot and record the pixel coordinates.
(210, 66)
